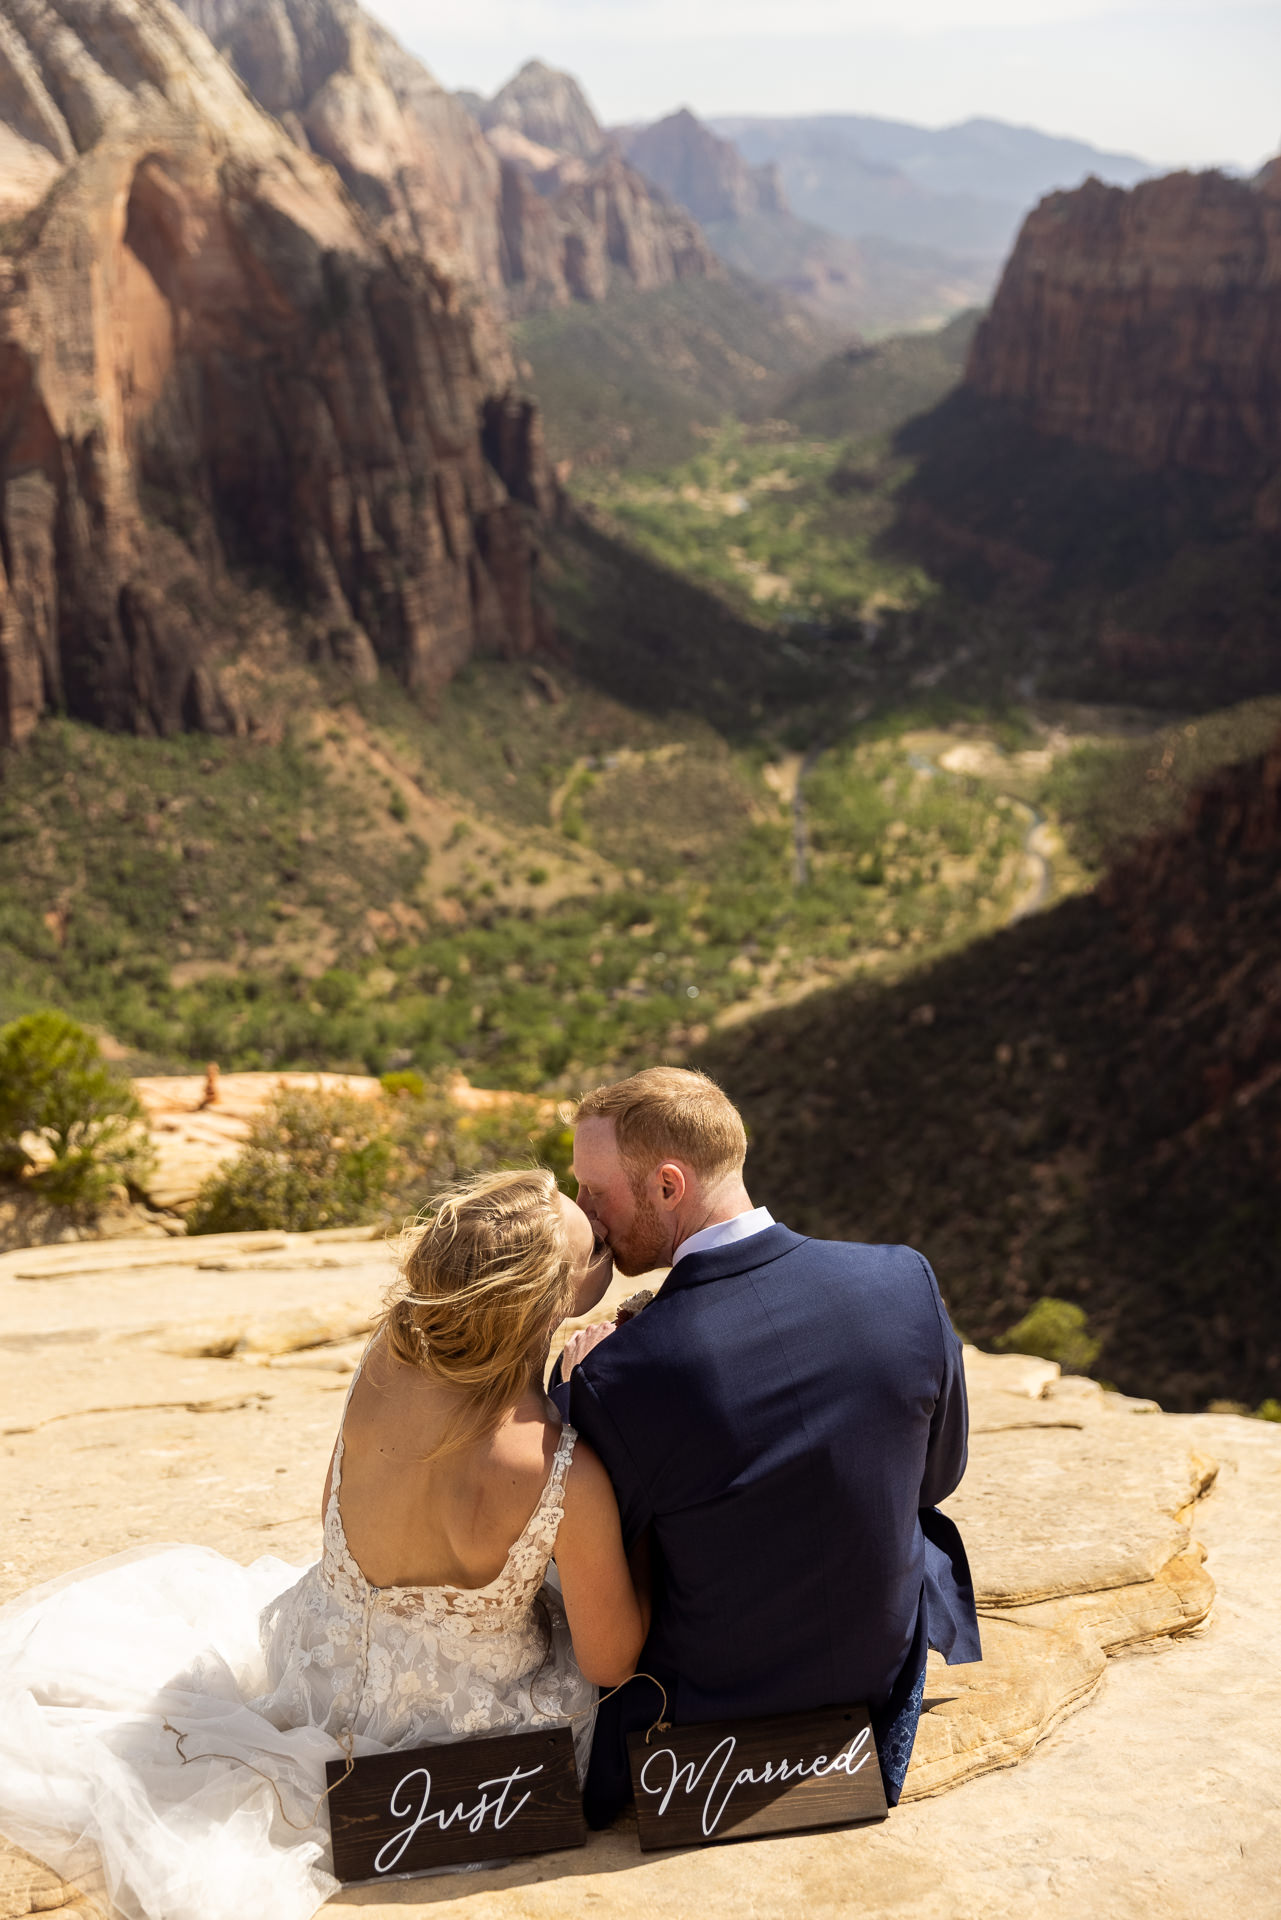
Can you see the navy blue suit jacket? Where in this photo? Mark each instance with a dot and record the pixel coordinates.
(784, 1417)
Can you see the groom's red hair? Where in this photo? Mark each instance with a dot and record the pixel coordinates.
(669, 1113)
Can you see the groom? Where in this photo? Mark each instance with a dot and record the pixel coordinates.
(781, 1421)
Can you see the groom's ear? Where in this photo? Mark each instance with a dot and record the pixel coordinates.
(672, 1183)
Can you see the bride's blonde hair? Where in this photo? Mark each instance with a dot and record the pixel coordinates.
(485, 1277)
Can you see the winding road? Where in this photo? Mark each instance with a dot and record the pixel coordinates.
(1034, 894)
(1037, 891)
(800, 826)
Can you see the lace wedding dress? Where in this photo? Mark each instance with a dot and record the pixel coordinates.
(166, 1715)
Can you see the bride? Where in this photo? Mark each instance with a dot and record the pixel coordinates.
(166, 1715)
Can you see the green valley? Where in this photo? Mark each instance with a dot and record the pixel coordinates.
(535, 883)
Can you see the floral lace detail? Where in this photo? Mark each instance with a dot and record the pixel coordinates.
(403, 1666)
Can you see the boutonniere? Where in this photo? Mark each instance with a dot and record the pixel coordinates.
(635, 1303)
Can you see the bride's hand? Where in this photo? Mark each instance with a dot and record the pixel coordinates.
(580, 1344)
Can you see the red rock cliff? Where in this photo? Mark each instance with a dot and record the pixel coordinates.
(210, 360)
(529, 201)
(1113, 456)
(1147, 323)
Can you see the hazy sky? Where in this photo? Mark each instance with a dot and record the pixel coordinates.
(1189, 84)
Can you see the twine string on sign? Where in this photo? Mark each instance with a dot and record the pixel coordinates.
(345, 1740)
(661, 1725)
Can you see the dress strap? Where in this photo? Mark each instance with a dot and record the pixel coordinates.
(552, 1500)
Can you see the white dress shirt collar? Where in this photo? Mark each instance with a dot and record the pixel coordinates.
(725, 1232)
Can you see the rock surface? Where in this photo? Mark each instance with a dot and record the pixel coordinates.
(209, 359)
(214, 1371)
(578, 221)
(406, 149)
(548, 108)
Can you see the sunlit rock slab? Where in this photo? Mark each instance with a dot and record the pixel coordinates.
(1157, 1800)
(1059, 1510)
(135, 1383)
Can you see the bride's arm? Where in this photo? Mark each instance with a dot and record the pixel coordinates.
(606, 1603)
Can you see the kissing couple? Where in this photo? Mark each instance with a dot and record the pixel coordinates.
(738, 1488)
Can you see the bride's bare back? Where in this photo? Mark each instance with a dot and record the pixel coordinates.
(415, 1521)
(417, 1517)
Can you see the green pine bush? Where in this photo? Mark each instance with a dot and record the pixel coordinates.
(312, 1160)
(56, 1087)
(1054, 1330)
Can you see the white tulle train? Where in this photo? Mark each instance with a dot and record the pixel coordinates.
(91, 1780)
(166, 1716)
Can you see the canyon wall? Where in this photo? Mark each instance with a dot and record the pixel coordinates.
(344, 88)
(1113, 456)
(212, 363)
(578, 220)
(1147, 323)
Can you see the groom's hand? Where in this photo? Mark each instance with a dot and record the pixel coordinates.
(580, 1344)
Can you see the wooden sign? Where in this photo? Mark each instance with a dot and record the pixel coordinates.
(398, 1814)
(734, 1779)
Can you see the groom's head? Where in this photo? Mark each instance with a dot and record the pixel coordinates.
(657, 1157)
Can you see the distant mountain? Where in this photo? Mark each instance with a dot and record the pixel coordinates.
(706, 174)
(578, 223)
(547, 107)
(866, 287)
(963, 189)
(872, 286)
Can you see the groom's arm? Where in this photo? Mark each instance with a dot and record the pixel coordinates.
(950, 1612)
(948, 1445)
(584, 1408)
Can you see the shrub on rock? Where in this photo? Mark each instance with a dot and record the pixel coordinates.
(1054, 1330)
(70, 1129)
(317, 1160)
(312, 1160)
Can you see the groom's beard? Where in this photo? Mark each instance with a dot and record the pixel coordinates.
(648, 1243)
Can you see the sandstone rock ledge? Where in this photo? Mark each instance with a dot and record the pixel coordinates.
(210, 1373)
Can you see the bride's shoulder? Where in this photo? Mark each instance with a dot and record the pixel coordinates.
(588, 1489)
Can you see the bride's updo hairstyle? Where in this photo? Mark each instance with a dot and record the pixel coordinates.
(485, 1278)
